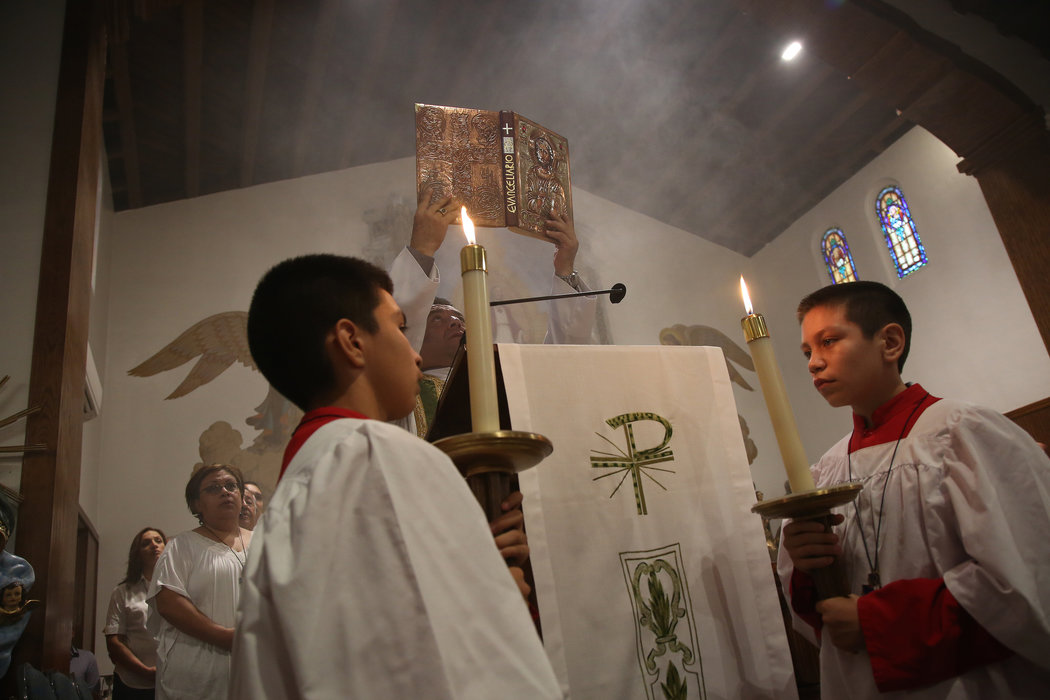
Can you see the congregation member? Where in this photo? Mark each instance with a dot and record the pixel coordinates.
(249, 515)
(946, 545)
(131, 647)
(257, 495)
(374, 573)
(195, 588)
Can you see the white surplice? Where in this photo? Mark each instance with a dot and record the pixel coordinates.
(374, 575)
(968, 500)
(207, 573)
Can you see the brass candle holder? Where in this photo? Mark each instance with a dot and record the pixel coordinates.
(488, 461)
(831, 581)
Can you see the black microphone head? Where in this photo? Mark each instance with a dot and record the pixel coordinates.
(619, 291)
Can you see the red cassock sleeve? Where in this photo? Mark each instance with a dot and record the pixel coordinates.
(916, 633)
(804, 599)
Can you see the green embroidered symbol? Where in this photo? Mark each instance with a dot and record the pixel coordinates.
(634, 462)
(665, 628)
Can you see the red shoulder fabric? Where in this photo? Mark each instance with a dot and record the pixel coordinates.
(916, 633)
(309, 425)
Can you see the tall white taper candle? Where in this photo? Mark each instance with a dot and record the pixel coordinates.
(481, 365)
(791, 451)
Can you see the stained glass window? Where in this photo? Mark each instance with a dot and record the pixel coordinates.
(837, 256)
(898, 227)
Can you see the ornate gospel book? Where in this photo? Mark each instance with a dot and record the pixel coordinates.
(506, 169)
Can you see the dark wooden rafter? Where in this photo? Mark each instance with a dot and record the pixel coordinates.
(476, 51)
(727, 38)
(320, 53)
(258, 55)
(126, 117)
(787, 170)
(378, 44)
(193, 69)
(802, 94)
(696, 74)
(841, 170)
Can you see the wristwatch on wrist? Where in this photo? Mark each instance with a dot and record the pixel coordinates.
(572, 279)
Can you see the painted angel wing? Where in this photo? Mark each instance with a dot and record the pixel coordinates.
(218, 340)
(680, 334)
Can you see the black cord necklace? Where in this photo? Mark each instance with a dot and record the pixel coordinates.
(874, 581)
(221, 541)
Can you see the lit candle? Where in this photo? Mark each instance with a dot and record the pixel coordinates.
(481, 365)
(772, 382)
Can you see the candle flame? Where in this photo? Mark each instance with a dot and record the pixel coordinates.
(747, 297)
(468, 226)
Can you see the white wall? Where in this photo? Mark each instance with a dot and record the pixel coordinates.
(30, 44)
(974, 337)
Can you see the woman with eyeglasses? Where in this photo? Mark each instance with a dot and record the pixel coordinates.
(131, 647)
(194, 591)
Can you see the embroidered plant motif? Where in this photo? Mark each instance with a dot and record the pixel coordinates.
(676, 687)
(665, 627)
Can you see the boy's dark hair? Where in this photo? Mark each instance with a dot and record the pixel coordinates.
(870, 305)
(294, 307)
(193, 486)
(134, 572)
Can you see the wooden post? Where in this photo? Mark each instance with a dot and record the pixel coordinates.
(47, 531)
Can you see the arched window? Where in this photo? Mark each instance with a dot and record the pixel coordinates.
(837, 257)
(898, 227)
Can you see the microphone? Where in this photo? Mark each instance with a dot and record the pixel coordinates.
(616, 294)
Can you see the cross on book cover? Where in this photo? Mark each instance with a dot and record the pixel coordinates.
(507, 170)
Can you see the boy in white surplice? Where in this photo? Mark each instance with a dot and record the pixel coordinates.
(947, 543)
(374, 573)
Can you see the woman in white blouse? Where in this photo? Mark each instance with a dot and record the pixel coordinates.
(131, 648)
(194, 592)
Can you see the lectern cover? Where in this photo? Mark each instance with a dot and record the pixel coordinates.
(652, 575)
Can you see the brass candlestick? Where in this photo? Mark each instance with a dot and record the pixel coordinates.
(833, 580)
(488, 460)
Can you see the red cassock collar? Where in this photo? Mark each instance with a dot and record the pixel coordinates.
(311, 422)
(892, 420)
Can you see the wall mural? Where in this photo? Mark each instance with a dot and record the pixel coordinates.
(220, 340)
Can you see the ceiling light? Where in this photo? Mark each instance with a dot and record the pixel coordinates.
(791, 51)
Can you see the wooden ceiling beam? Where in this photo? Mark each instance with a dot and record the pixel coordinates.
(126, 119)
(193, 67)
(258, 55)
(369, 72)
(816, 146)
(696, 74)
(320, 50)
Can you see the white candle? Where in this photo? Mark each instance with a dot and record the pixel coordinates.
(758, 341)
(481, 365)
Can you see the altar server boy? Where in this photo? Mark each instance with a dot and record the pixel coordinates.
(946, 547)
(374, 573)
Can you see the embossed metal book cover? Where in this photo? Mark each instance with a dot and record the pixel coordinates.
(508, 170)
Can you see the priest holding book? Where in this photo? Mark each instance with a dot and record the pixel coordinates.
(435, 327)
